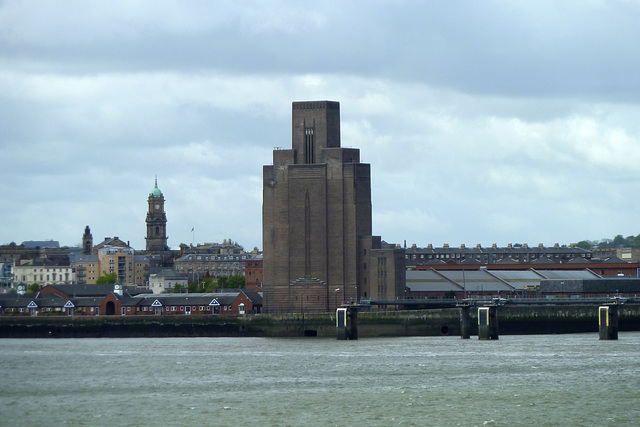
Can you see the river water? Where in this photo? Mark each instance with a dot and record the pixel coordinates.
(552, 380)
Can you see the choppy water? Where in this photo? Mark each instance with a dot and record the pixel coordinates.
(441, 381)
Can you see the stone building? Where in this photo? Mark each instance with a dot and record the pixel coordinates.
(156, 221)
(316, 217)
(43, 272)
(199, 266)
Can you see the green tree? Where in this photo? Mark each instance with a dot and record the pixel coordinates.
(33, 288)
(206, 285)
(222, 281)
(178, 288)
(618, 241)
(235, 282)
(585, 244)
(107, 279)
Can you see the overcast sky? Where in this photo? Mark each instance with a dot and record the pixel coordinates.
(484, 122)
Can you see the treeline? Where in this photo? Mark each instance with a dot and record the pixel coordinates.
(208, 284)
(617, 242)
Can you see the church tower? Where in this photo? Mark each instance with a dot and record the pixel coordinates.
(156, 221)
(87, 241)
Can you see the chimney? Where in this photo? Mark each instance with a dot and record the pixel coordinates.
(478, 246)
(429, 246)
(510, 246)
(557, 245)
(414, 246)
(462, 246)
(526, 246)
(494, 246)
(540, 245)
(446, 246)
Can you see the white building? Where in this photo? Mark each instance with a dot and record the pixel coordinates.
(165, 280)
(43, 272)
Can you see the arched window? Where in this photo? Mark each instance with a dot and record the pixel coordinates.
(157, 231)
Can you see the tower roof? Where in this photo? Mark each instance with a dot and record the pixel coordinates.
(156, 191)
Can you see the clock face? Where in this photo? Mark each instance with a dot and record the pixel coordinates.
(157, 206)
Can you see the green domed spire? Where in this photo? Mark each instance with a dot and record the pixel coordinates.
(156, 191)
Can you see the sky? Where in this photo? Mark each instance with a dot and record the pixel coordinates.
(484, 122)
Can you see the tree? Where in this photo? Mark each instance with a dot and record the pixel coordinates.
(178, 288)
(236, 282)
(222, 281)
(585, 244)
(107, 279)
(618, 241)
(33, 288)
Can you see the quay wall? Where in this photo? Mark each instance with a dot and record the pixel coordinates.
(436, 322)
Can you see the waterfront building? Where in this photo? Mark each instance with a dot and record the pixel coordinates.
(43, 272)
(112, 300)
(317, 238)
(489, 283)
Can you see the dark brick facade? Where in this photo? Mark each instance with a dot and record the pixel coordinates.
(316, 210)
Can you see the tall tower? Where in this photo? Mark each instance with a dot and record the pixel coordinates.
(156, 221)
(87, 241)
(316, 210)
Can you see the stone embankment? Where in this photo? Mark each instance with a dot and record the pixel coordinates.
(436, 322)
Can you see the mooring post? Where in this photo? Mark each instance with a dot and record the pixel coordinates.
(347, 323)
(465, 322)
(488, 323)
(353, 323)
(608, 319)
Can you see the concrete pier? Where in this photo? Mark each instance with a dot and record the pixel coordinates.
(608, 320)
(488, 323)
(465, 322)
(347, 323)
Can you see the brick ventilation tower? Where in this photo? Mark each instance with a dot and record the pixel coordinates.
(316, 210)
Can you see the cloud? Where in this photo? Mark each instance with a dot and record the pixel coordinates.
(483, 123)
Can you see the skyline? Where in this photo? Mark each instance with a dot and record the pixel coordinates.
(483, 123)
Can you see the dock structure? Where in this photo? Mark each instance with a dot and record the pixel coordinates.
(465, 320)
(608, 320)
(347, 321)
(488, 323)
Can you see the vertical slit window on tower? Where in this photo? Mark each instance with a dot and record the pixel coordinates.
(309, 145)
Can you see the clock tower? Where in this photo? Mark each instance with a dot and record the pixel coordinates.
(156, 221)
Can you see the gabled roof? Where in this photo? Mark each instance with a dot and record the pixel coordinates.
(49, 244)
(223, 298)
(111, 241)
(83, 290)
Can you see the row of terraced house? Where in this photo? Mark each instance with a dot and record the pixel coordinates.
(111, 300)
